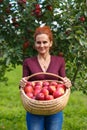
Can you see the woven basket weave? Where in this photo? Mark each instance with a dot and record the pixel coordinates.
(47, 107)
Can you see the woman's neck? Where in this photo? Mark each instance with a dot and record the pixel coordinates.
(44, 61)
(44, 57)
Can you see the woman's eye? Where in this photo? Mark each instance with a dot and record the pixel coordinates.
(44, 42)
(38, 42)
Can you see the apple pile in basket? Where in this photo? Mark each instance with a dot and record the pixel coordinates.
(44, 90)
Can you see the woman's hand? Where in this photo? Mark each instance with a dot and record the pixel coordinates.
(67, 82)
(23, 82)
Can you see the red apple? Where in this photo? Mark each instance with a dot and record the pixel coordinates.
(46, 87)
(28, 89)
(21, 1)
(38, 83)
(1, 1)
(37, 6)
(82, 19)
(44, 91)
(29, 94)
(49, 97)
(46, 83)
(37, 87)
(24, 1)
(26, 45)
(49, 7)
(36, 91)
(40, 96)
(29, 83)
(54, 83)
(33, 97)
(59, 92)
(61, 85)
(52, 89)
(37, 12)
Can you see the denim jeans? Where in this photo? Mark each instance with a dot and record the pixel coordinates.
(40, 122)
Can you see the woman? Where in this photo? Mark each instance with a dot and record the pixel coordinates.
(44, 62)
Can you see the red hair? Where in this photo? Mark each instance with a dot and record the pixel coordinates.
(44, 30)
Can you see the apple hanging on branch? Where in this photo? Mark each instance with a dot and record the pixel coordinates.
(26, 45)
(1, 1)
(49, 7)
(37, 10)
(82, 18)
(21, 2)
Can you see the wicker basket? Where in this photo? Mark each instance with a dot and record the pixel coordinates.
(47, 107)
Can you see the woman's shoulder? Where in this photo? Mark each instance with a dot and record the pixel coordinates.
(29, 59)
(59, 58)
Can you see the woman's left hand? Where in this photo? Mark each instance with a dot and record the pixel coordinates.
(67, 82)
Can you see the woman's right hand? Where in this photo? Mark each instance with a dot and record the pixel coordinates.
(23, 82)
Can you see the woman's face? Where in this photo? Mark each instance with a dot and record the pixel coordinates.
(43, 44)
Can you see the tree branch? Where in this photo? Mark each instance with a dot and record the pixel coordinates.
(75, 75)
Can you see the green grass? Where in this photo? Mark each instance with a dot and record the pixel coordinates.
(75, 114)
(12, 113)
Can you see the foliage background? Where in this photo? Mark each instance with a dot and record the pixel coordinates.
(18, 21)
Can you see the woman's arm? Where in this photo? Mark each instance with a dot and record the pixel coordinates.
(24, 79)
(66, 80)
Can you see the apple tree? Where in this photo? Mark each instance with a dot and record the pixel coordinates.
(68, 21)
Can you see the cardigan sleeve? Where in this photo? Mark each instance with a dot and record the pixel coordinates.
(25, 68)
(62, 72)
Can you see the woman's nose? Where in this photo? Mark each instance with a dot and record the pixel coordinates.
(41, 44)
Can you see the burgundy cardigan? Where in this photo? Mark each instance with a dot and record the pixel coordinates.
(56, 66)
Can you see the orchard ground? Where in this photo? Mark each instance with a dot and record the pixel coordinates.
(12, 113)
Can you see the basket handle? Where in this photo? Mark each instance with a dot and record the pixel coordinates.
(51, 74)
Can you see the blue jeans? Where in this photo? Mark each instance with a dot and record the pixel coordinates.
(40, 122)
